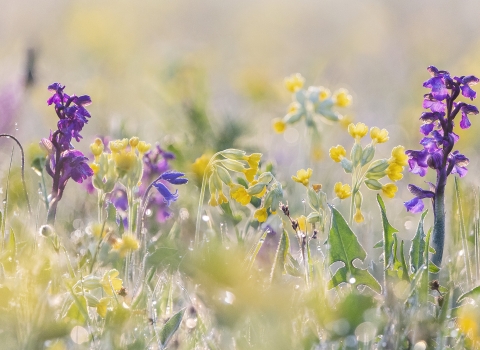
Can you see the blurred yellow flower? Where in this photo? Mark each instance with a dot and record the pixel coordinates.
(95, 167)
(102, 307)
(134, 141)
(389, 190)
(345, 121)
(97, 147)
(337, 153)
(303, 176)
(279, 125)
(239, 193)
(398, 156)
(358, 217)
(200, 165)
(342, 98)
(118, 145)
(261, 214)
(110, 283)
(125, 161)
(379, 136)
(324, 93)
(294, 82)
(143, 147)
(126, 244)
(302, 223)
(394, 172)
(468, 322)
(342, 191)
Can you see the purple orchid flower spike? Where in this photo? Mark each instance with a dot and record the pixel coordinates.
(438, 142)
(63, 161)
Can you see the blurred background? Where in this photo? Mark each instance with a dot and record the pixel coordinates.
(166, 70)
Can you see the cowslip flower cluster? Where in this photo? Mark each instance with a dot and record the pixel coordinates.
(438, 142)
(364, 169)
(63, 161)
(217, 176)
(311, 103)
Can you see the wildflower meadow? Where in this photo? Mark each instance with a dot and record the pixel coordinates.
(147, 203)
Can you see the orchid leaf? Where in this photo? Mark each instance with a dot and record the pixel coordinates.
(417, 248)
(345, 247)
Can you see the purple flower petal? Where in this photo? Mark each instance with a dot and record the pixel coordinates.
(437, 84)
(173, 177)
(434, 106)
(419, 192)
(168, 197)
(414, 206)
(426, 128)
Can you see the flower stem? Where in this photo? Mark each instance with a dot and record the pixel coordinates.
(438, 236)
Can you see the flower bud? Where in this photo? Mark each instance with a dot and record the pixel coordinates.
(373, 184)
(356, 154)
(346, 165)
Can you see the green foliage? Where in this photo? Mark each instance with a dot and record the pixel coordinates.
(344, 247)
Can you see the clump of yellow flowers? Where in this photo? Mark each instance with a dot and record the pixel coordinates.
(310, 104)
(217, 177)
(364, 169)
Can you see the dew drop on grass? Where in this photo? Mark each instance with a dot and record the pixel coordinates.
(190, 247)
(460, 253)
(148, 212)
(205, 218)
(352, 280)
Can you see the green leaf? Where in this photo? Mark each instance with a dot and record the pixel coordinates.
(256, 249)
(417, 249)
(344, 247)
(432, 268)
(292, 267)
(388, 235)
(404, 264)
(281, 255)
(170, 327)
(475, 292)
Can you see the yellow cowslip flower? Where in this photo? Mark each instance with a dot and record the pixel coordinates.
(134, 141)
(302, 223)
(398, 156)
(95, 168)
(118, 145)
(379, 136)
(357, 131)
(342, 191)
(253, 160)
(250, 173)
(97, 230)
(468, 322)
(110, 283)
(102, 307)
(303, 176)
(389, 190)
(213, 199)
(261, 214)
(125, 161)
(97, 147)
(358, 217)
(345, 121)
(143, 147)
(221, 198)
(294, 82)
(394, 172)
(127, 243)
(293, 107)
(323, 94)
(342, 98)
(317, 187)
(200, 165)
(337, 153)
(279, 125)
(239, 193)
